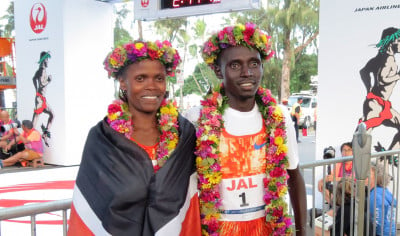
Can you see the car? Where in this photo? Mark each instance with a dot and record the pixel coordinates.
(307, 108)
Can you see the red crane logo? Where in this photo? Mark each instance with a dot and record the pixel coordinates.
(145, 3)
(38, 18)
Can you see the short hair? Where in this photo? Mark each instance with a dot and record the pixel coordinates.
(27, 123)
(348, 144)
(388, 36)
(299, 98)
(382, 177)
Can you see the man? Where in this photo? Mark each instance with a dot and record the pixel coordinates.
(377, 109)
(40, 81)
(33, 145)
(243, 159)
(296, 114)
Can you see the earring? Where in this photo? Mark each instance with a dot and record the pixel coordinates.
(123, 94)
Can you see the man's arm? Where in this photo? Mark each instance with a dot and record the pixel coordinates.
(297, 193)
(389, 72)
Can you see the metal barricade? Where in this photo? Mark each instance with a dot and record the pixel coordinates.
(33, 210)
(387, 160)
(348, 196)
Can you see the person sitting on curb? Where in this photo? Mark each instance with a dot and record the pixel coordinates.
(33, 145)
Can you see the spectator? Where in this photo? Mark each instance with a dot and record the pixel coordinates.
(33, 145)
(344, 203)
(9, 134)
(382, 203)
(296, 114)
(346, 149)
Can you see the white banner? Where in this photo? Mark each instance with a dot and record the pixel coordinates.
(61, 84)
(358, 72)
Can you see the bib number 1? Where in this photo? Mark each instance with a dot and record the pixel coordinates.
(244, 203)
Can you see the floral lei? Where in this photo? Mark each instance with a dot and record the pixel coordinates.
(120, 119)
(209, 169)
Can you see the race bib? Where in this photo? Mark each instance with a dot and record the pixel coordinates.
(242, 198)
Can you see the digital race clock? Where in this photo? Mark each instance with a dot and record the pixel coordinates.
(168, 4)
(167, 9)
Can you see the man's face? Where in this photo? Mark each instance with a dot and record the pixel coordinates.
(396, 45)
(241, 71)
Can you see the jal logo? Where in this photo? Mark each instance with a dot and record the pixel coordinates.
(144, 3)
(38, 18)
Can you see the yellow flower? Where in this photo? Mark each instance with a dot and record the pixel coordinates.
(204, 232)
(164, 110)
(214, 177)
(113, 116)
(215, 215)
(172, 144)
(264, 38)
(206, 186)
(282, 192)
(113, 62)
(278, 114)
(198, 161)
(269, 166)
(282, 149)
(278, 141)
(139, 46)
(210, 60)
(214, 138)
(173, 111)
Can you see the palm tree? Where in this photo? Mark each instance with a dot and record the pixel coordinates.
(121, 35)
(9, 17)
(293, 25)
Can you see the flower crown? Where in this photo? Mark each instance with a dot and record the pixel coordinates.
(383, 44)
(136, 51)
(247, 35)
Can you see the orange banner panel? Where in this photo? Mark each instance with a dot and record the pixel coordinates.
(5, 47)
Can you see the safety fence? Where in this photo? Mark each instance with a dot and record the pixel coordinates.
(362, 194)
(33, 210)
(353, 205)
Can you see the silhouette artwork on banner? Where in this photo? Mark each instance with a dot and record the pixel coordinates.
(380, 76)
(40, 81)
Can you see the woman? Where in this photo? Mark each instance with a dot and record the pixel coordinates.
(346, 149)
(345, 201)
(137, 171)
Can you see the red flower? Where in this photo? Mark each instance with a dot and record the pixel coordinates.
(279, 132)
(277, 172)
(114, 108)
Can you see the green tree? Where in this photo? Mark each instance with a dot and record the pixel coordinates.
(293, 26)
(204, 71)
(175, 31)
(197, 83)
(121, 35)
(9, 27)
(306, 66)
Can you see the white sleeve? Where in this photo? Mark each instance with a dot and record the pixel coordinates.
(293, 152)
(193, 115)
